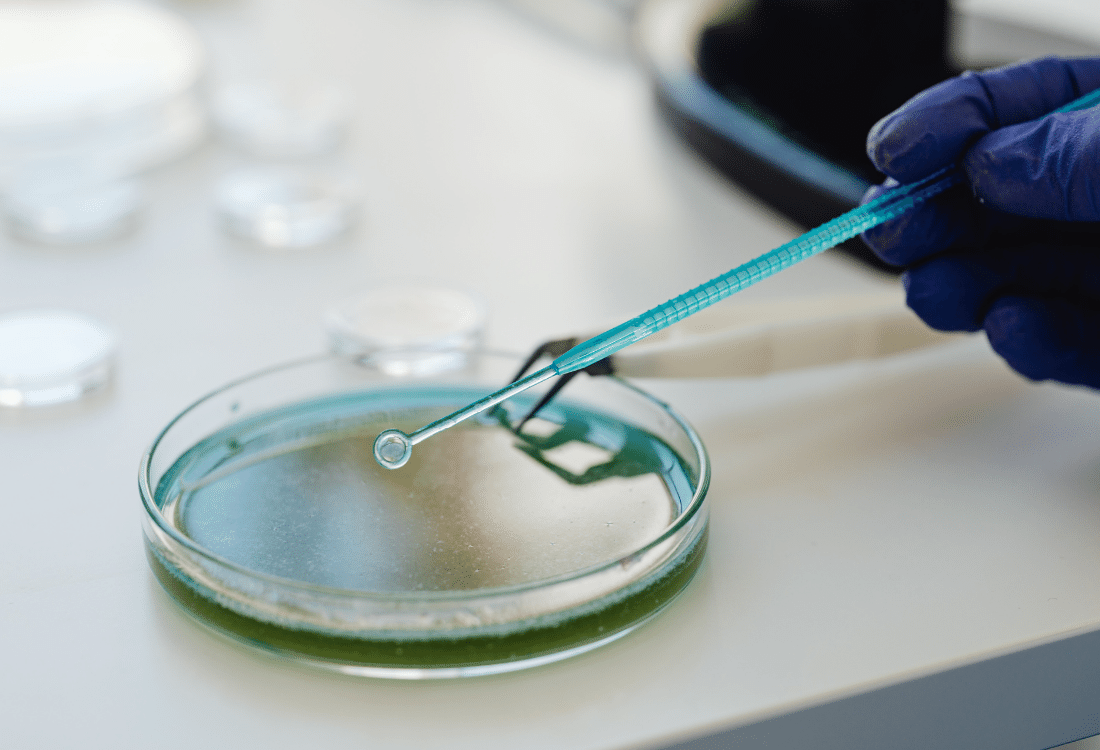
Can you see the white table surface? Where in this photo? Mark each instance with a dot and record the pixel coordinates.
(871, 523)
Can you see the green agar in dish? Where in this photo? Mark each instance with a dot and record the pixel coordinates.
(296, 494)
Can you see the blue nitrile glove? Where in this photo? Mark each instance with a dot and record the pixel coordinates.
(1016, 251)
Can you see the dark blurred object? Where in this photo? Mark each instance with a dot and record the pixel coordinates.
(824, 71)
(778, 95)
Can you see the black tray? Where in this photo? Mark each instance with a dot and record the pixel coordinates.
(778, 95)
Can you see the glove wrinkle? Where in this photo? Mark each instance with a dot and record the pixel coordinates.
(1071, 75)
(988, 115)
(1042, 169)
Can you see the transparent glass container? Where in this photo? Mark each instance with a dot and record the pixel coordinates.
(283, 207)
(523, 550)
(407, 329)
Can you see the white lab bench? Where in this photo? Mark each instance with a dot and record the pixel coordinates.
(903, 553)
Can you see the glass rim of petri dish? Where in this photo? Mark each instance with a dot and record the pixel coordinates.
(427, 615)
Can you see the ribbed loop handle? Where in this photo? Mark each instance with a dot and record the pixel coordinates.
(889, 205)
(831, 234)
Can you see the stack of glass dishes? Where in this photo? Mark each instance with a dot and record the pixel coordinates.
(93, 87)
(88, 80)
(268, 520)
(294, 194)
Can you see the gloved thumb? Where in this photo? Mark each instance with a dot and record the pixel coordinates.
(1047, 169)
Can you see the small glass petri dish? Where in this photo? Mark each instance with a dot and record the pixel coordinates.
(268, 520)
(407, 329)
(281, 207)
(52, 356)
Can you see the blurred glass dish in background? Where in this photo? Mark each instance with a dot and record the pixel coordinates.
(602, 25)
(52, 356)
(109, 84)
(281, 121)
(282, 207)
(407, 329)
(64, 208)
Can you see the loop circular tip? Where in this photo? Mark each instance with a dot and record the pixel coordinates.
(392, 449)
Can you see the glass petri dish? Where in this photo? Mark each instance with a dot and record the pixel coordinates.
(268, 520)
(285, 208)
(407, 329)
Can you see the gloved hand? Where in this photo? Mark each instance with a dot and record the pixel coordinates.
(1016, 249)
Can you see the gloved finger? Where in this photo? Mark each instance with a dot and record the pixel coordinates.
(1046, 339)
(946, 220)
(935, 128)
(1045, 169)
(953, 292)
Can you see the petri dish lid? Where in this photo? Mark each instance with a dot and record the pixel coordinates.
(52, 356)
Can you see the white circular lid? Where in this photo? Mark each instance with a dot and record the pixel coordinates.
(66, 60)
(50, 356)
